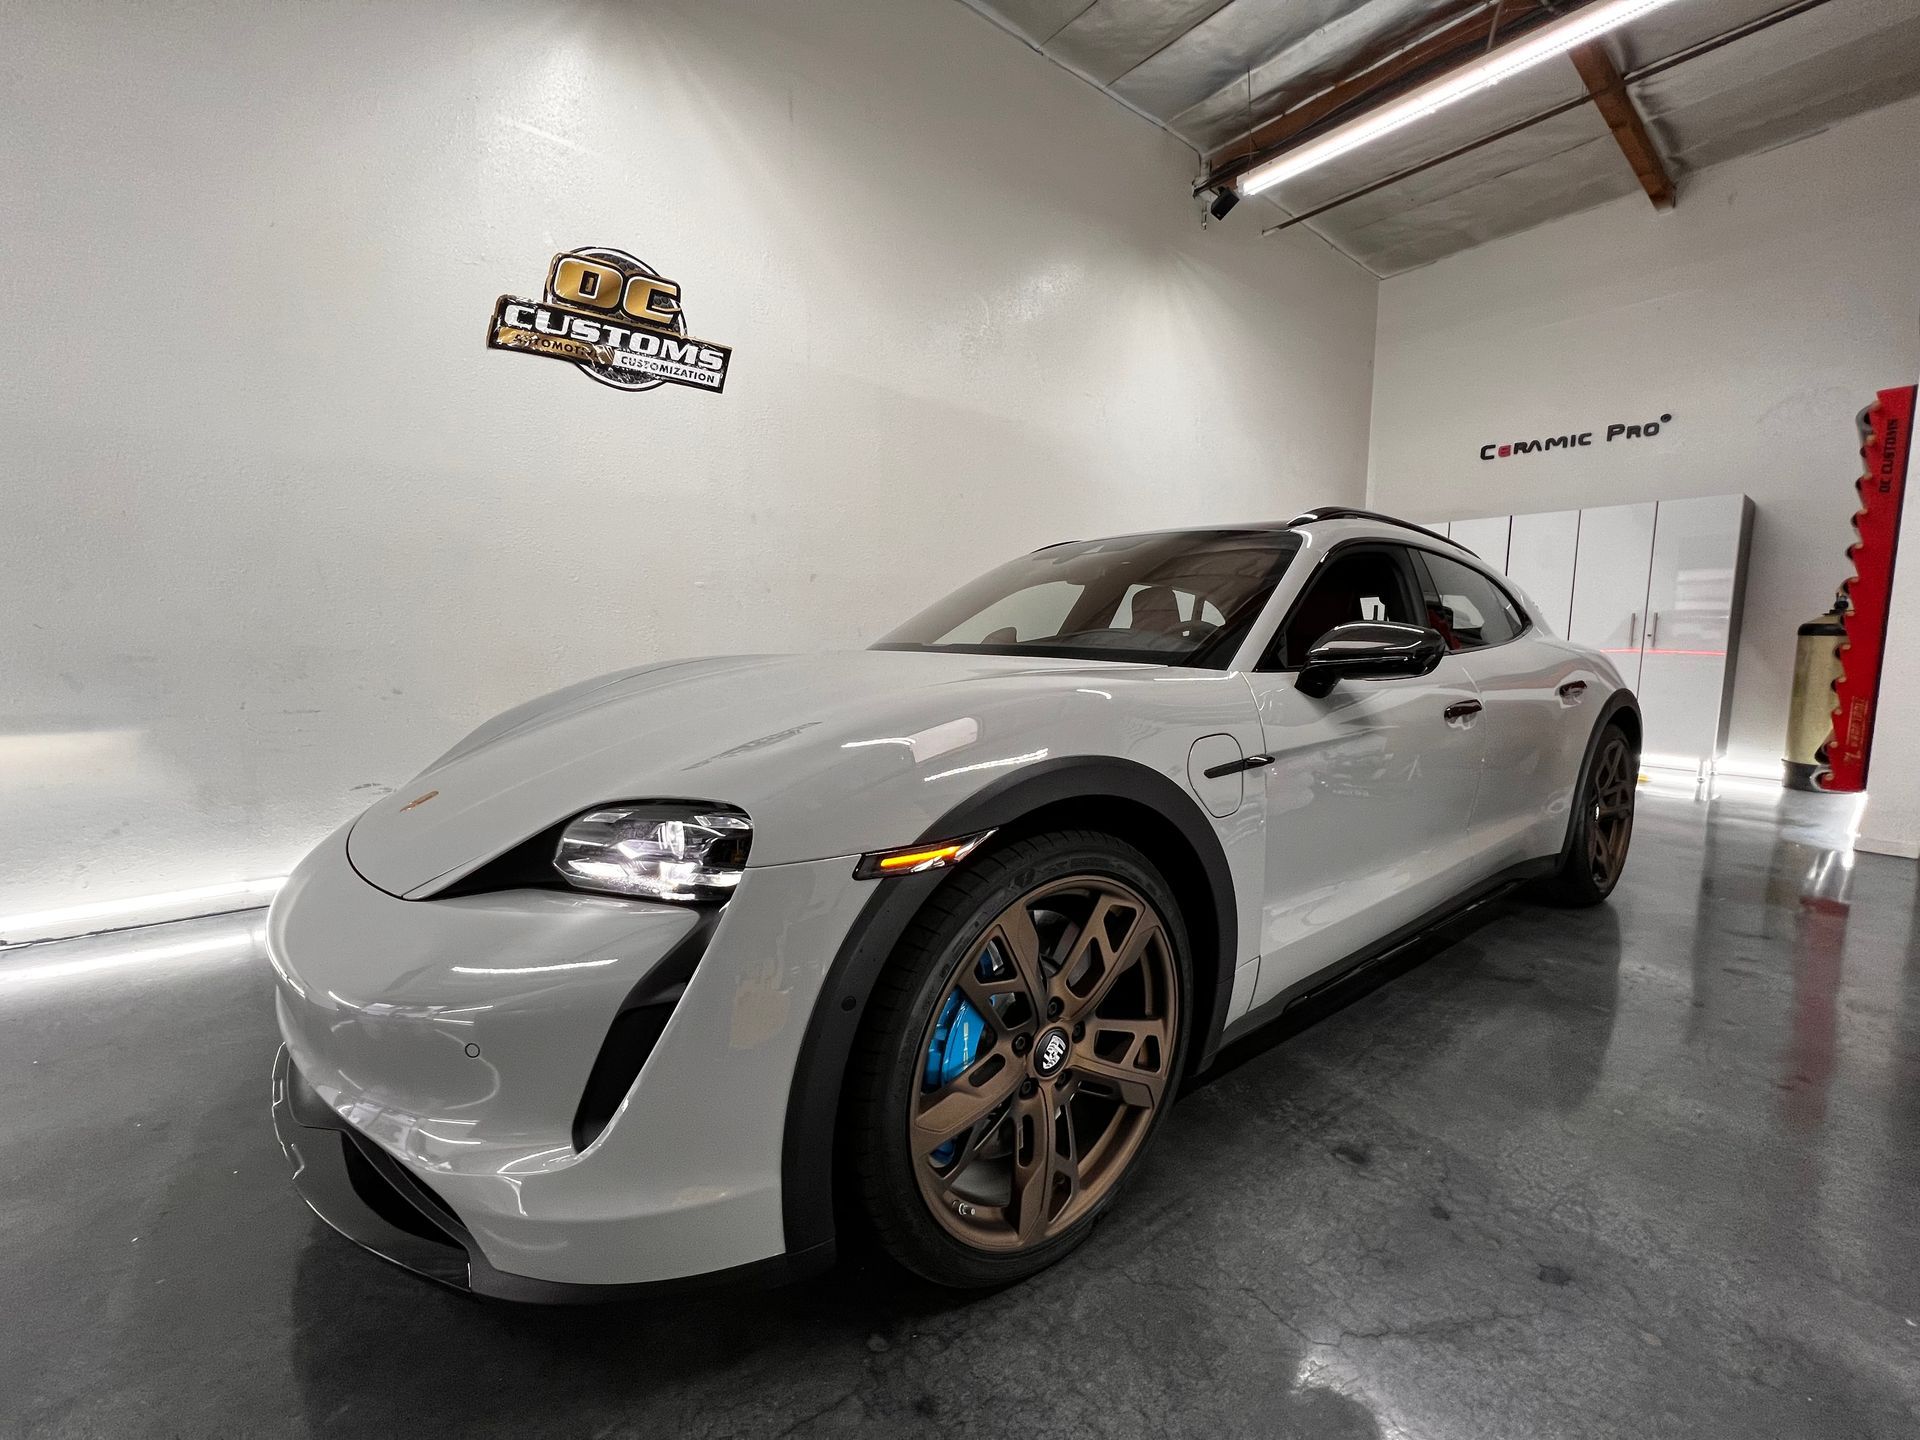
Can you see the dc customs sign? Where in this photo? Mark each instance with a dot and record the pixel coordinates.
(615, 318)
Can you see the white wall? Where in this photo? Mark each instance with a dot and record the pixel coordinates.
(278, 527)
(1763, 314)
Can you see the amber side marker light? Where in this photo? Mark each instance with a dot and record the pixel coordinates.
(912, 859)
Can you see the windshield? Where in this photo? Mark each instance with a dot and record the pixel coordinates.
(1183, 598)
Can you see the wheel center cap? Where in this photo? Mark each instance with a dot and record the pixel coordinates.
(1051, 1052)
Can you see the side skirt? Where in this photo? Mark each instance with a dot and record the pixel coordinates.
(1387, 947)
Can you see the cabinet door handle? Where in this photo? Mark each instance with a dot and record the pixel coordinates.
(1462, 710)
(1234, 767)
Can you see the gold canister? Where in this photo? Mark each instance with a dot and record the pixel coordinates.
(1816, 666)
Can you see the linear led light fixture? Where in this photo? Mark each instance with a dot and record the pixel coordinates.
(1542, 44)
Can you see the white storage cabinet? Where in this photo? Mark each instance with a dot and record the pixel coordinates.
(1657, 586)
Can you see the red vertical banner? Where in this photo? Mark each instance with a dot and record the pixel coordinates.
(1886, 429)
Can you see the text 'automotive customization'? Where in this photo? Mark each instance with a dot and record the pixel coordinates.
(647, 981)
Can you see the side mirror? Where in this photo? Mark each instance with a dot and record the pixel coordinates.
(1369, 650)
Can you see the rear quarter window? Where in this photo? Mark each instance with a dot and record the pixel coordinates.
(1468, 609)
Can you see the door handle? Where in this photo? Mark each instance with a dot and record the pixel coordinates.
(1633, 631)
(1234, 767)
(1653, 630)
(1462, 710)
(1573, 690)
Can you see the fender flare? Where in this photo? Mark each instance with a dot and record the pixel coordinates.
(807, 1153)
(1621, 700)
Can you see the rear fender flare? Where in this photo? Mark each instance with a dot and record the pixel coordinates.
(1616, 704)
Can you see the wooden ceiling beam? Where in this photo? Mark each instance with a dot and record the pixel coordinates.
(1374, 72)
(1609, 94)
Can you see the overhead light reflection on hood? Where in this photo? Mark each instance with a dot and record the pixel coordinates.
(531, 969)
(1040, 754)
(931, 743)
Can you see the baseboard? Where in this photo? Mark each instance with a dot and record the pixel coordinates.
(1721, 769)
(1886, 845)
(1772, 773)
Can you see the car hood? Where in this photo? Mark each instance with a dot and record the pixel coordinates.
(830, 754)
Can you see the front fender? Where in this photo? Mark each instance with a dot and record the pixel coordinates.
(813, 1106)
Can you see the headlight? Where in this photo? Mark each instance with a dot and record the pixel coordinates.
(660, 852)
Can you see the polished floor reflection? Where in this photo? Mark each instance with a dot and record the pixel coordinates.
(1647, 1170)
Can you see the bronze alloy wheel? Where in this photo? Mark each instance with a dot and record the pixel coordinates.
(1047, 1057)
(1609, 799)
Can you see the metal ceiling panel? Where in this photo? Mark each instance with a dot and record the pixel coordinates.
(1211, 69)
(1522, 96)
(1560, 166)
(1258, 35)
(1672, 28)
(1308, 66)
(1036, 21)
(1786, 82)
(1110, 37)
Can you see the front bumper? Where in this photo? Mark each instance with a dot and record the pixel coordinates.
(370, 1198)
(436, 1054)
(358, 1189)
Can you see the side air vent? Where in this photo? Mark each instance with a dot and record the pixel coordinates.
(628, 1044)
(636, 1030)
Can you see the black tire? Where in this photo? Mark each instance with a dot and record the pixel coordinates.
(1600, 830)
(888, 1092)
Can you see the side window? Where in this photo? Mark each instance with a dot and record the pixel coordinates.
(1467, 608)
(1366, 584)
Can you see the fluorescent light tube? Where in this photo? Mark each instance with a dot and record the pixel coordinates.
(1537, 45)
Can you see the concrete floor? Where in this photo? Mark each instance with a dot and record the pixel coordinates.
(1652, 1169)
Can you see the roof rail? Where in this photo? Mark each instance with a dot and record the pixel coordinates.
(1343, 512)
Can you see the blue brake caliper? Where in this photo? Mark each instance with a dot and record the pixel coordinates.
(956, 1040)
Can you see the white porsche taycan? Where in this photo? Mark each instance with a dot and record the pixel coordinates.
(661, 976)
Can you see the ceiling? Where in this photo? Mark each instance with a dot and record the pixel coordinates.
(1227, 75)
